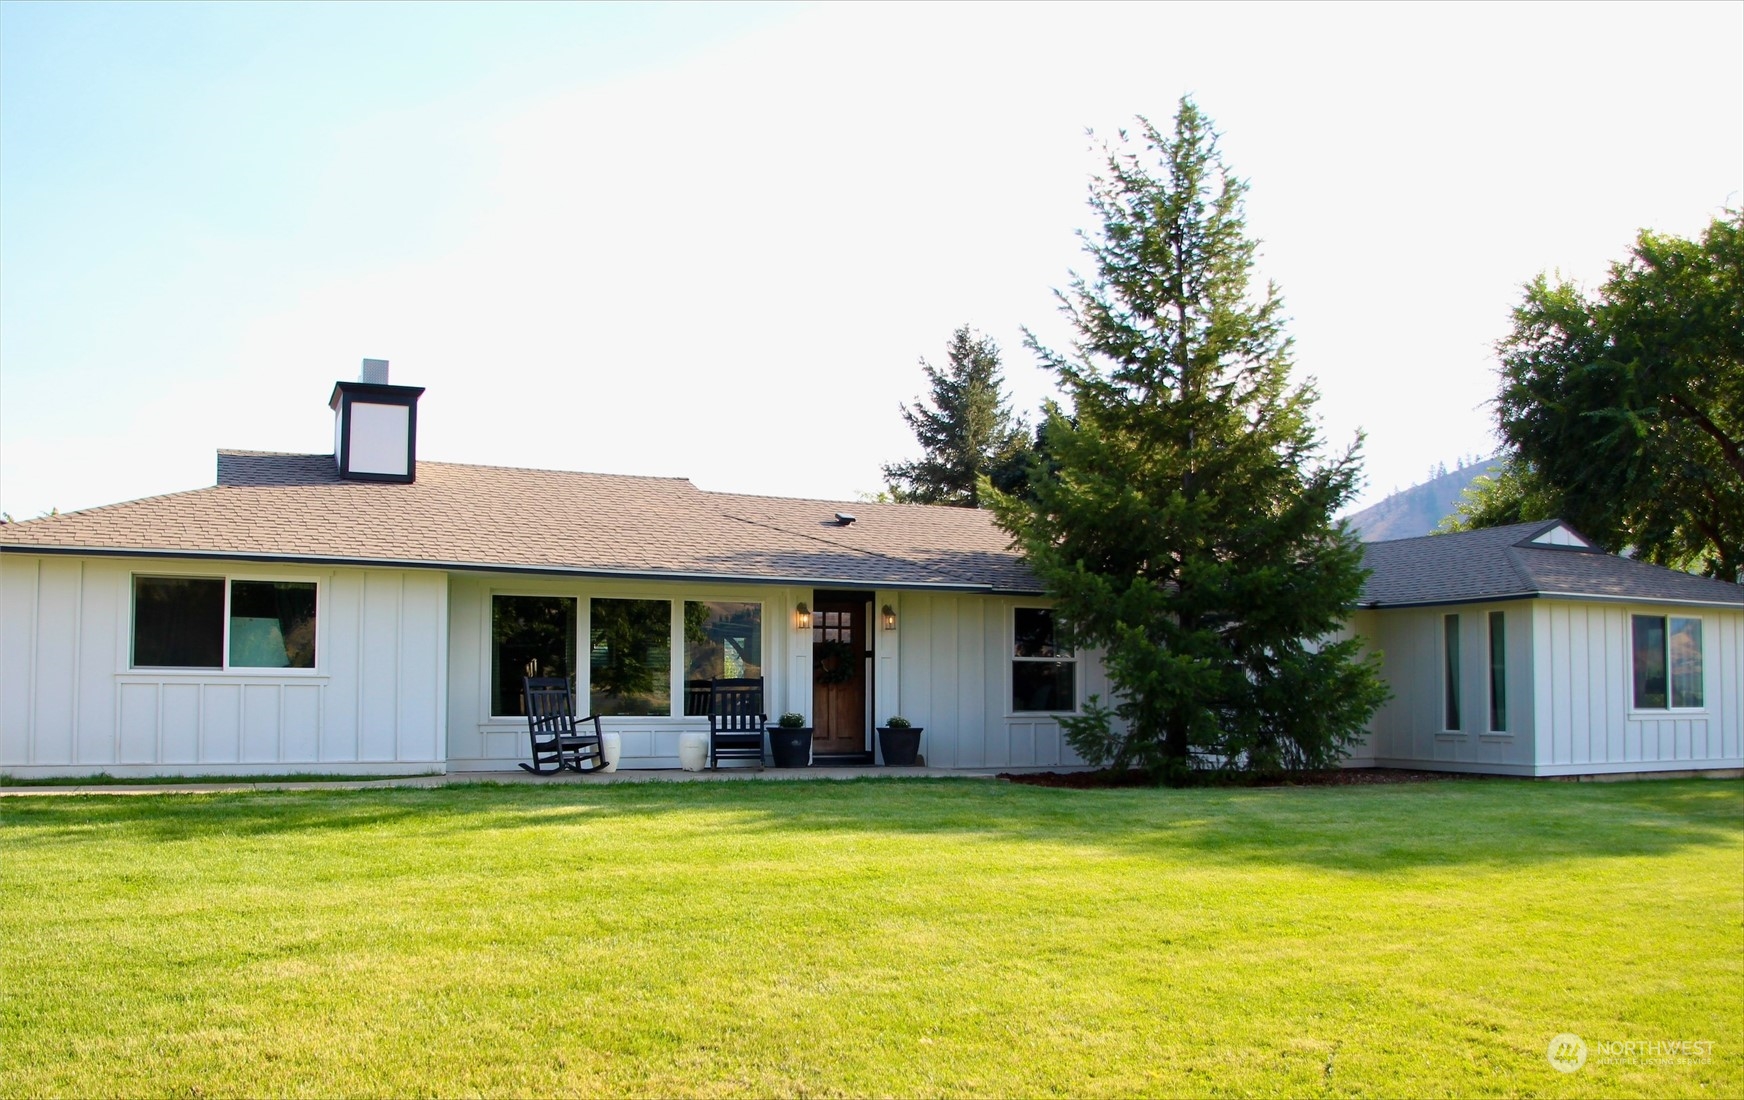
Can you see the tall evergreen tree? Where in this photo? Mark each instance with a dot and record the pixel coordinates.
(968, 434)
(1184, 523)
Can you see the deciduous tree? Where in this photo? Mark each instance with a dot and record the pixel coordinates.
(1623, 411)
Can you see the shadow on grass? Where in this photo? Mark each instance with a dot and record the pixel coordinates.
(1358, 829)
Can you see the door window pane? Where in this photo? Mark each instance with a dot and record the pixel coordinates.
(630, 657)
(1686, 662)
(272, 624)
(1649, 661)
(722, 641)
(178, 622)
(530, 636)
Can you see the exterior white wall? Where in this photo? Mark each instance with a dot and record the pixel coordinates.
(1569, 692)
(71, 705)
(1585, 715)
(951, 655)
(1409, 731)
(477, 740)
(946, 667)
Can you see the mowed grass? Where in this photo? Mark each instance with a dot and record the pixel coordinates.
(951, 937)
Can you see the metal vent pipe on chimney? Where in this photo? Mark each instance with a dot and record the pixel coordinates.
(375, 372)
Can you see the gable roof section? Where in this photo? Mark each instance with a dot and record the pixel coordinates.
(297, 508)
(1518, 562)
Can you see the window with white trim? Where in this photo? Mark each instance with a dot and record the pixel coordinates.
(1498, 672)
(1043, 671)
(1666, 660)
(530, 636)
(1450, 672)
(222, 623)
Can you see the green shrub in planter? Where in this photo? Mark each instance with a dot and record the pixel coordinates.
(899, 742)
(792, 720)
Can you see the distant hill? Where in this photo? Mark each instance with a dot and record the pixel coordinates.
(1417, 510)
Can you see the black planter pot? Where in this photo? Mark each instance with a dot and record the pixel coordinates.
(789, 747)
(899, 746)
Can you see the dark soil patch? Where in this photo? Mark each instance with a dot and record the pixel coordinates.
(1329, 777)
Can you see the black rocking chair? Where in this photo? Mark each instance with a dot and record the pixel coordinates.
(736, 721)
(560, 739)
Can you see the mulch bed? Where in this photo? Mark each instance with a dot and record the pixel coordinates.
(1330, 777)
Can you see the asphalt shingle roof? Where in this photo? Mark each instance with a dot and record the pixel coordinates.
(297, 507)
(1503, 562)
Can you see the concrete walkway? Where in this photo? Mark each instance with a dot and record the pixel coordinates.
(516, 775)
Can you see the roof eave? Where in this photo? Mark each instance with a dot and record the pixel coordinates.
(542, 570)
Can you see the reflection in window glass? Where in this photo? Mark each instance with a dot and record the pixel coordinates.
(178, 622)
(272, 624)
(630, 657)
(1450, 671)
(1498, 672)
(1649, 661)
(1686, 662)
(1035, 634)
(722, 641)
(1043, 671)
(530, 636)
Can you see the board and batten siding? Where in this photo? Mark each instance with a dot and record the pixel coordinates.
(1585, 706)
(947, 668)
(1409, 730)
(71, 705)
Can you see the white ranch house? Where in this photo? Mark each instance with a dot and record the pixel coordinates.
(367, 612)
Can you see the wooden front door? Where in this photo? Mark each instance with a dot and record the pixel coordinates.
(838, 674)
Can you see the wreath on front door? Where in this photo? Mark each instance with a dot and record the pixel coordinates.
(833, 662)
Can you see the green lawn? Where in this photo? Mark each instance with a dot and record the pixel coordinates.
(877, 937)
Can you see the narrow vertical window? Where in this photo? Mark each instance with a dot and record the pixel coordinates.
(1450, 670)
(1498, 672)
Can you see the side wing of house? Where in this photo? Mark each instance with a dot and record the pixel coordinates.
(1630, 687)
(134, 666)
(1549, 687)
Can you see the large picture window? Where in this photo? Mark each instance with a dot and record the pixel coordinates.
(209, 622)
(722, 641)
(630, 657)
(1043, 670)
(530, 636)
(1666, 653)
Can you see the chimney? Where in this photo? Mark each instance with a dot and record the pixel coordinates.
(375, 427)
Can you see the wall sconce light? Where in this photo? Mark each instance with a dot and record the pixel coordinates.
(889, 614)
(801, 616)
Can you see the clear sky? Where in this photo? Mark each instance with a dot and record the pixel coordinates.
(713, 241)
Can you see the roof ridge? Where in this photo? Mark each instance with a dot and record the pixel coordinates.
(467, 466)
(1455, 534)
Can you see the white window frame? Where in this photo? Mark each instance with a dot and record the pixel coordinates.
(1670, 696)
(490, 620)
(1452, 686)
(1012, 660)
(226, 669)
